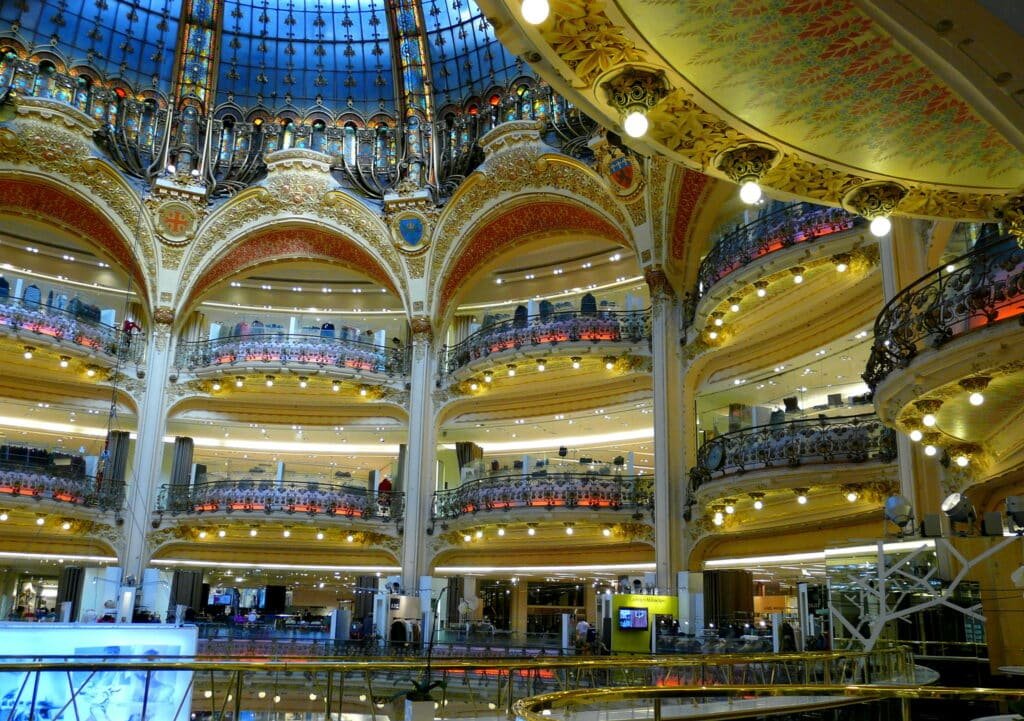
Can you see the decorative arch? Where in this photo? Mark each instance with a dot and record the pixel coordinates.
(63, 206)
(283, 243)
(509, 226)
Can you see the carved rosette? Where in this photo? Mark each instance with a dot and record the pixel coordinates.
(873, 200)
(636, 89)
(749, 162)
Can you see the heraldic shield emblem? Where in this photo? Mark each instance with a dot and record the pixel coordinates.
(621, 172)
(411, 230)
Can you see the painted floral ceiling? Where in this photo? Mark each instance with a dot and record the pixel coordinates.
(809, 72)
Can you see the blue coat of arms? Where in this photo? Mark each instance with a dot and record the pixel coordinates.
(621, 171)
(411, 230)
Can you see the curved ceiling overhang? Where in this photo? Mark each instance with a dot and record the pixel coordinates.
(65, 208)
(823, 83)
(509, 227)
(284, 244)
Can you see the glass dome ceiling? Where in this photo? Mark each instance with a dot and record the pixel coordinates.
(340, 54)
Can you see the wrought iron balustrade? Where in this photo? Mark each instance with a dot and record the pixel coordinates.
(978, 289)
(250, 495)
(846, 439)
(281, 348)
(549, 329)
(789, 226)
(545, 490)
(63, 324)
(57, 483)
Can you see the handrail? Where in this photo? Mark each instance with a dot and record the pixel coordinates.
(62, 324)
(842, 439)
(985, 286)
(47, 482)
(270, 496)
(545, 490)
(280, 348)
(549, 329)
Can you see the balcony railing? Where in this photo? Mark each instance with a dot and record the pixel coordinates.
(847, 439)
(64, 324)
(282, 348)
(789, 226)
(56, 483)
(546, 491)
(548, 330)
(974, 291)
(260, 495)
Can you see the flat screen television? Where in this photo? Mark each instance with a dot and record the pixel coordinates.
(633, 619)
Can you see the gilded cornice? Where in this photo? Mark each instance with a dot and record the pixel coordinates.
(586, 45)
(58, 145)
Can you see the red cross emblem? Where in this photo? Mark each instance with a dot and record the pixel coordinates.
(176, 221)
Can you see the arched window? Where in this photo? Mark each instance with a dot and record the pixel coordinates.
(83, 92)
(288, 134)
(349, 148)
(227, 139)
(318, 139)
(46, 80)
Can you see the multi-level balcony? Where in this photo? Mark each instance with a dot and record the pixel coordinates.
(342, 356)
(53, 480)
(947, 358)
(566, 494)
(221, 498)
(567, 331)
(71, 331)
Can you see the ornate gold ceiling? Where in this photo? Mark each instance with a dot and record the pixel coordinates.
(842, 101)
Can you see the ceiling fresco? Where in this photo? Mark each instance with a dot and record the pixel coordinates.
(823, 77)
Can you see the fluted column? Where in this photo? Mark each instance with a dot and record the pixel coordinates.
(669, 430)
(144, 477)
(420, 455)
(903, 259)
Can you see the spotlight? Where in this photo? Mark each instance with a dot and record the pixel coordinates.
(511, 367)
(635, 124)
(750, 192)
(64, 361)
(958, 508)
(239, 381)
(303, 382)
(535, 11)
(575, 363)
(880, 226)
(270, 381)
(899, 512)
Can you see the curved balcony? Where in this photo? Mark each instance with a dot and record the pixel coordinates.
(569, 491)
(977, 290)
(68, 326)
(60, 484)
(283, 348)
(261, 495)
(547, 330)
(792, 225)
(818, 441)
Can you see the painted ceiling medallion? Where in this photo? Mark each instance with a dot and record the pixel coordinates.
(175, 221)
(873, 200)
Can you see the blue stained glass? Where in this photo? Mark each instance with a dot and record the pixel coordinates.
(140, 35)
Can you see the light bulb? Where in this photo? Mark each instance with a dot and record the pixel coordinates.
(730, 509)
(962, 461)
(488, 377)
(4, 516)
(735, 307)
(202, 534)
(576, 364)
(750, 192)
(40, 520)
(479, 533)
(466, 538)
(286, 533)
(801, 499)
(976, 399)
(929, 419)
(270, 381)
(303, 383)
(253, 532)
(28, 354)
(511, 370)
(762, 292)
(851, 496)
(531, 531)
(319, 535)
(713, 334)
(758, 504)
(535, 11)
(474, 386)
(880, 226)
(362, 391)
(90, 372)
(262, 694)
(216, 385)
(501, 530)
(350, 538)
(66, 525)
(606, 531)
(930, 450)
(609, 364)
(718, 519)
(64, 361)
(841, 267)
(569, 530)
(277, 698)
(916, 435)
(798, 278)
(541, 366)
(221, 533)
(335, 386)
(719, 322)
(239, 382)
(635, 124)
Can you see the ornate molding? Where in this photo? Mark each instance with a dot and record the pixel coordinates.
(746, 163)
(874, 200)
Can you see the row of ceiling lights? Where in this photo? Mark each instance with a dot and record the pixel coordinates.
(531, 530)
(66, 524)
(541, 366)
(930, 406)
(29, 352)
(851, 492)
(222, 532)
(269, 380)
(613, 258)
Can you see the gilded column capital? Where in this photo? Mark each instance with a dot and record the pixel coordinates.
(422, 331)
(658, 284)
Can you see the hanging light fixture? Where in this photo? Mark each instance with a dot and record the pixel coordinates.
(746, 165)
(511, 367)
(876, 202)
(975, 386)
(239, 381)
(65, 361)
(801, 495)
(535, 11)
(633, 92)
(758, 500)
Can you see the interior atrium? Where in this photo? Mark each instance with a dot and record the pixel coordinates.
(529, 304)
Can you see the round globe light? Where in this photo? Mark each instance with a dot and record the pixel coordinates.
(880, 226)
(976, 399)
(635, 124)
(928, 419)
(916, 435)
(930, 450)
(750, 192)
(535, 11)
